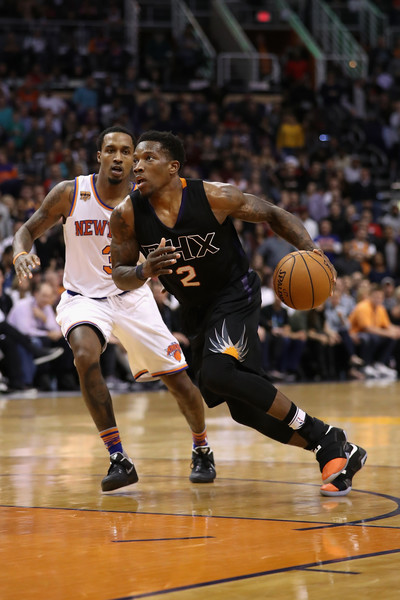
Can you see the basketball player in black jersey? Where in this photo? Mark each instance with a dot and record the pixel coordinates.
(185, 231)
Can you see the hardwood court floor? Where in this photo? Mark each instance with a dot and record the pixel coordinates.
(261, 530)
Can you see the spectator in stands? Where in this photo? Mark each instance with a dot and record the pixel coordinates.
(86, 96)
(391, 250)
(379, 270)
(5, 219)
(322, 346)
(377, 336)
(35, 317)
(340, 225)
(9, 181)
(18, 355)
(308, 222)
(273, 249)
(6, 115)
(297, 65)
(389, 290)
(364, 193)
(392, 217)
(361, 248)
(337, 321)
(290, 137)
(282, 347)
(8, 268)
(329, 243)
(352, 173)
(346, 262)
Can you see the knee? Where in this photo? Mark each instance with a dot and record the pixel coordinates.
(85, 358)
(178, 384)
(237, 412)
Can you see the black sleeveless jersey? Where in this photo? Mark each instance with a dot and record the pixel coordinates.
(211, 254)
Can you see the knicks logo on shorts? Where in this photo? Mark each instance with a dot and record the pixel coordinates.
(175, 351)
(223, 344)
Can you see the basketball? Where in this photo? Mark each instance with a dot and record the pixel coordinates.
(303, 279)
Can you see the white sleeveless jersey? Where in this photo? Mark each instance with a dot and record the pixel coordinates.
(87, 243)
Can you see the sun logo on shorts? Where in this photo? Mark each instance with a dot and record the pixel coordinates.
(223, 344)
(175, 351)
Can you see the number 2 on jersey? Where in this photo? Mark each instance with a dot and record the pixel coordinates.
(187, 281)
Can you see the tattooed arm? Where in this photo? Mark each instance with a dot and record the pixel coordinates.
(55, 206)
(126, 273)
(227, 200)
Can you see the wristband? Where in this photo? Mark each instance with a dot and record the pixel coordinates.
(17, 255)
(139, 272)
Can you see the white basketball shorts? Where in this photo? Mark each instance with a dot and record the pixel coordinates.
(133, 317)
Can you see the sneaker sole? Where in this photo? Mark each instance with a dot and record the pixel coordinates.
(121, 486)
(202, 479)
(330, 489)
(333, 468)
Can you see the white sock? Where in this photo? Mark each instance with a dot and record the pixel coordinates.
(298, 420)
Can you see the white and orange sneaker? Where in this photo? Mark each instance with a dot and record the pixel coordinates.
(341, 485)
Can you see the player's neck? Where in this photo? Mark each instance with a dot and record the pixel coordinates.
(167, 202)
(168, 195)
(112, 192)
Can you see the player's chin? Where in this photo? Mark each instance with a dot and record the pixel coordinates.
(112, 180)
(143, 188)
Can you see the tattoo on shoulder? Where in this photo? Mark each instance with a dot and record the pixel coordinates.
(119, 222)
(62, 191)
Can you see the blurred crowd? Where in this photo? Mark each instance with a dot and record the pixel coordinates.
(329, 155)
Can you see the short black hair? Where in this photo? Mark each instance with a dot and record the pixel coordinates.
(114, 129)
(169, 142)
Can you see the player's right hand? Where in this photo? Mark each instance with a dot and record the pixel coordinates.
(160, 260)
(25, 264)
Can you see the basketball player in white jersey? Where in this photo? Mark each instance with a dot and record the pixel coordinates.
(92, 307)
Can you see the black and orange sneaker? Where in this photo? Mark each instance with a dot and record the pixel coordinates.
(341, 486)
(331, 453)
(203, 466)
(122, 472)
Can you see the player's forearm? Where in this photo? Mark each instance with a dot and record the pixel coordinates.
(290, 228)
(282, 222)
(22, 241)
(128, 278)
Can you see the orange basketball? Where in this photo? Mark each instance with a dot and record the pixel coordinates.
(303, 279)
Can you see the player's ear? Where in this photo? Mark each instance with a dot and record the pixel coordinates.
(175, 165)
(98, 155)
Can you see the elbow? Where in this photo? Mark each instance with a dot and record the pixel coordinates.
(118, 280)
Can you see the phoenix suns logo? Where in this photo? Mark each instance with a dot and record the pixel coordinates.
(222, 343)
(175, 351)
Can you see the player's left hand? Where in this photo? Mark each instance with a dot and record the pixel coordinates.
(329, 265)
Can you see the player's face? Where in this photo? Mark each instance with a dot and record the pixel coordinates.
(152, 167)
(116, 157)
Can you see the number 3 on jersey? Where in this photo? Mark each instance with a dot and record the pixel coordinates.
(107, 252)
(188, 280)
